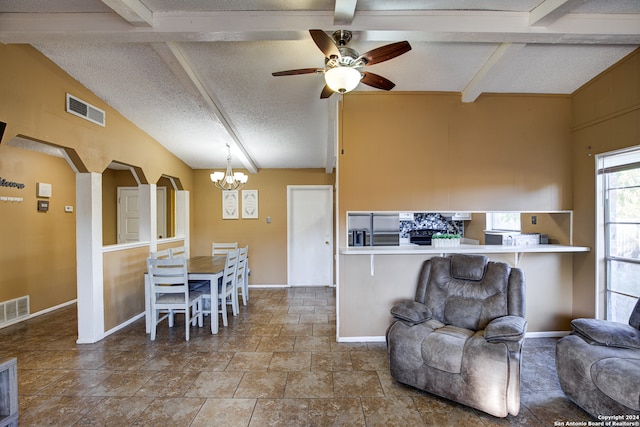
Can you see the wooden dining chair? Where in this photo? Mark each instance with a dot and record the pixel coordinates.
(243, 280)
(181, 252)
(218, 248)
(170, 294)
(178, 252)
(226, 286)
(162, 254)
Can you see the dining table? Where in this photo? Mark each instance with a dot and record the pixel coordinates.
(204, 267)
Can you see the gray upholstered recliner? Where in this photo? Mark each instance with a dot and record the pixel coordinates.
(599, 365)
(461, 338)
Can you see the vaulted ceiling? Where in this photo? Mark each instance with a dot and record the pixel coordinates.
(197, 75)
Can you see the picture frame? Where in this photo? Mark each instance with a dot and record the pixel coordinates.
(230, 204)
(250, 204)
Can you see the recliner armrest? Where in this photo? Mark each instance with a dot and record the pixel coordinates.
(411, 312)
(606, 333)
(506, 329)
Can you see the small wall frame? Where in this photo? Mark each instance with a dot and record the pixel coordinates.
(250, 204)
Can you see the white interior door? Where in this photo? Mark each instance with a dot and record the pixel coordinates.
(129, 214)
(310, 235)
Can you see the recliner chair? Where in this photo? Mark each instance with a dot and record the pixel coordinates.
(599, 365)
(461, 338)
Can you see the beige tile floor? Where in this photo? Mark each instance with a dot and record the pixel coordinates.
(277, 364)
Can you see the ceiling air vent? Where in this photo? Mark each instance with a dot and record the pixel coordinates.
(85, 110)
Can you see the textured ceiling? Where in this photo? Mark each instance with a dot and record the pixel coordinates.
(196, 74)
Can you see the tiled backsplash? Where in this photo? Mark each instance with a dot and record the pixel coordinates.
(429, 221)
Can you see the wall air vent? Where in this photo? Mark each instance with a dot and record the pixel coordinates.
(85, 110)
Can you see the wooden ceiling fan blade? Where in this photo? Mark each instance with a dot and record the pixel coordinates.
(386, 52)
(324, 43)
(326, 92)
(374, 80)
(296, 72)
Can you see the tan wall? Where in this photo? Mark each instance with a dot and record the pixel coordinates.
(111, 180)
(431, 152)
(37, 249)
(33, 104)
(402, 151)
(42, 260)
(123, 292)
(109, 208)
(606, 117)
(267, 242)
(170, 206)
(548, 288)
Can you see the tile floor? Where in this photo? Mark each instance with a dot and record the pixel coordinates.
(277, 364)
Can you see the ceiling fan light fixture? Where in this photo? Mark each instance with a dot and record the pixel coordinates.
(342, 79)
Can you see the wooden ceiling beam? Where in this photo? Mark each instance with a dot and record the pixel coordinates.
(133, 11)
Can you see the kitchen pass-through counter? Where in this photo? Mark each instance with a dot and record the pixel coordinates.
(374, 278)
(517, 251)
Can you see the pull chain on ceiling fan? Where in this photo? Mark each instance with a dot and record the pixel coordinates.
(342, 63)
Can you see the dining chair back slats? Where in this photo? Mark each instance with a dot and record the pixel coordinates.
(228, 290)
(218, 248)
(161, 254)
(226, 286)
(178, 252)
(170, 293)
(242, 282)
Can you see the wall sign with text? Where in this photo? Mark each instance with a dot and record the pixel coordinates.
(5, 183)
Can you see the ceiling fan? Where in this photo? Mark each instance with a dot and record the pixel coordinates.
(342, 63)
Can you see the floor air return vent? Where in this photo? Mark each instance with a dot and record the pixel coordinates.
(14, 310)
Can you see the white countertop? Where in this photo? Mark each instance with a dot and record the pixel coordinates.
(462, 249)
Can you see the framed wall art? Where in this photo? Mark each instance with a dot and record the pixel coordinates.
(230, 204)
(250, 204)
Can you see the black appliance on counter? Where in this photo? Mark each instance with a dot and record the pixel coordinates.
(359, 238)
(423, 237)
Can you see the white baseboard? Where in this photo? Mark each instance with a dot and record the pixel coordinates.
(549, 334)
(361, 339)
(40, 313)
(268, 286)
(287, 286)
(122, 325)
(54, 308)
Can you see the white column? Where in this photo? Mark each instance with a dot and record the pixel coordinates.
(148, 205)
(182, 217)
(89, 267)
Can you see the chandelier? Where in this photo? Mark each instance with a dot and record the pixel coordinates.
(229, 180)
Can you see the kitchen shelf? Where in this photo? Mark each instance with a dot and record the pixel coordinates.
(518, 251)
